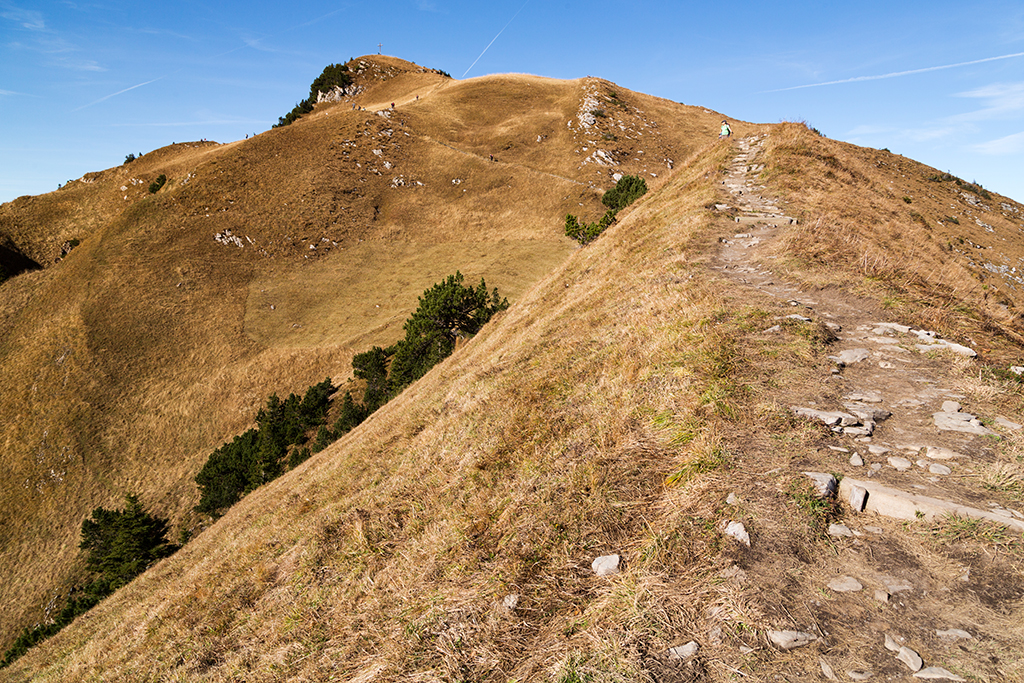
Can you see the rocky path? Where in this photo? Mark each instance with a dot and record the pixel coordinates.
(907, 440)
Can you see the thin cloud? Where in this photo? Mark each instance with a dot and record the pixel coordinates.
(1011, 144)
(1000, 100)
(86, 65)
(30, 20)
(897, 74)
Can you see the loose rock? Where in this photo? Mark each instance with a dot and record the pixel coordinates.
(788, 640)
(952, 633)
(910, 658)
(824, 484)
(851, 356)
(937, 673)
(739, 532)
(839, 530)
(845, 584)
(901, 464)
(606, 565)
(683, 651)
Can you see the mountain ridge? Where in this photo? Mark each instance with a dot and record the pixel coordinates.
(659, 344)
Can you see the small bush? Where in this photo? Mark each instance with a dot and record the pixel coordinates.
(585, 233)
(332, 75)
(155, 186)
(626, 191)
(907, 200)
(129, 158)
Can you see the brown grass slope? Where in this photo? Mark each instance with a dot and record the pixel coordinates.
(611, 409)
(127, 360)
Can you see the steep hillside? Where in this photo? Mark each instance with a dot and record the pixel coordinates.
(162, 321)
(632, 403)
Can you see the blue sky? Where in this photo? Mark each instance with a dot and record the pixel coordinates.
(82, 84)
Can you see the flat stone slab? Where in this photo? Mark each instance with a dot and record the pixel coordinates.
(891, 502)
(960, 422)
(845, 584)
(851, 356)
(937, 673)
(765, 220)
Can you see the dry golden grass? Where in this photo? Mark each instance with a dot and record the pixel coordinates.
(611, 409)
(127, 363)
(858, 228)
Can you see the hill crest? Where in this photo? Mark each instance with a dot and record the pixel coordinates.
(550, 437)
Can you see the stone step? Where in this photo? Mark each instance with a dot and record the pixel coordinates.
(869, 496)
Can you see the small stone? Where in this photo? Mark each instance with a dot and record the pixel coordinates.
(952, 633)
(851, 356)
(732, 499)
(859, 675)
(936, 468)
(873, 529)
(891, 644)
(858, 498)
(865, 397)
(910, 658)
(826, 670)
(899, 463)
(898, 585)
(824, 484)
(788, 640)
(510, 602)
(881, 595)
(739, 532)
(950, 407)
(839, 530)
(856, 460)
(1003, 422)
(878, 450)
(839, 449)
(683, 651)
(606, 565)
(845, 584)
(937, 673)
(938, 453)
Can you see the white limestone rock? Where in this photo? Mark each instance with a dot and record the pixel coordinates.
(606, 565)
(937, 673)
(789, 640)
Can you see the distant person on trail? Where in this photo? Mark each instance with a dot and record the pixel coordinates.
(726, 130)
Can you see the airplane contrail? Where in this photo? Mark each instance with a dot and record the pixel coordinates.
(899, 73)
(107, 97)
(496, 37)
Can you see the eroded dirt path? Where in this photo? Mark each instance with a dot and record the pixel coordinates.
(912, 424)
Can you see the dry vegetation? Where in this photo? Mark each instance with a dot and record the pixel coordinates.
(937, 252)
(611, 409)
(130, 360)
